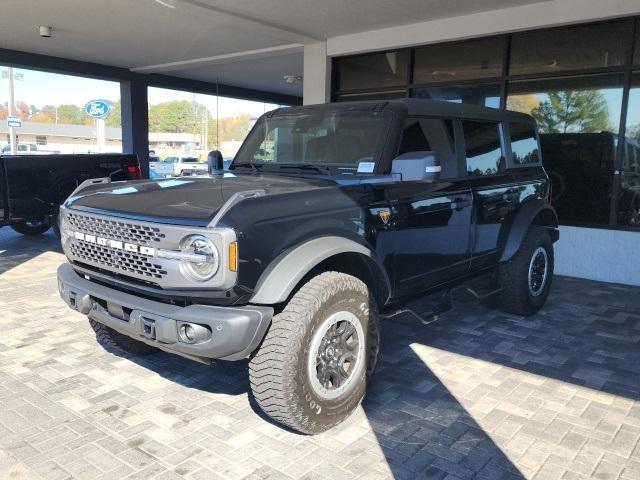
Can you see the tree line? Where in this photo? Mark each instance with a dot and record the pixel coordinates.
(176, 116)
(561, 112)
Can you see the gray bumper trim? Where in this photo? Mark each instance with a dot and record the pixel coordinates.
(236, 331)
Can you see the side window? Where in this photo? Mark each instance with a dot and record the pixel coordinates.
(431, 135)
(524, 145)
(483, 150)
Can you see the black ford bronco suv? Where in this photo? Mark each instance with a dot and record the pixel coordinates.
(328, 215)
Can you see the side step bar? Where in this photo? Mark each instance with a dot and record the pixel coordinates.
(432, 307)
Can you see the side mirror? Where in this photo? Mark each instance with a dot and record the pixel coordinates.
(215, 163)
(417, 166)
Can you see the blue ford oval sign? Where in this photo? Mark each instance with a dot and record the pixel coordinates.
(98, 108)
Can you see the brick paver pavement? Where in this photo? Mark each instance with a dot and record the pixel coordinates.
(478, 394)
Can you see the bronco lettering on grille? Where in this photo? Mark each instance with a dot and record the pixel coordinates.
(115, 244)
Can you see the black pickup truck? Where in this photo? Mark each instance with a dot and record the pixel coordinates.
(33, 186)
(328, 215)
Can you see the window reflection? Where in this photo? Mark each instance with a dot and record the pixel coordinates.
(572, 48)
(636, 50)
(482, 143)
(629, 196)
(376, 70)
(578, 119)
(486, 95)
(458, 61)
(356, 97)
(524, 144)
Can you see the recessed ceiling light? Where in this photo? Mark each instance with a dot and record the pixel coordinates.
(165, 4)
(45, 31)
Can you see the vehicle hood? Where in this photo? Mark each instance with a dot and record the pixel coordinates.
(186, 200)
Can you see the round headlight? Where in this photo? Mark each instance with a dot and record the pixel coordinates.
(207, 266)
(65, 227)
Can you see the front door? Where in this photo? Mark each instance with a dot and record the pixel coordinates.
(432, 240)
(432, 219)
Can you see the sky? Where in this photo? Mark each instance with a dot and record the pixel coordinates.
(43, 88)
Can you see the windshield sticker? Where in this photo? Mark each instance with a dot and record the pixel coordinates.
(366, 167)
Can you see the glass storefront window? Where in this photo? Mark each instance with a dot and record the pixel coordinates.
(185, 126)
(458, 61)
(578, 121)
(486, 95)
(354, 97)
(54, 119)
(572, 48)
(378, 70)
(636, 49)
(629, 197)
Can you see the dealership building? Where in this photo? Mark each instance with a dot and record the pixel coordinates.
(572, 64)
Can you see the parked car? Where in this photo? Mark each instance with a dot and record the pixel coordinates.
(22, 148)
(158, 168)
(329, 214)
(185, 165)
(32, 187)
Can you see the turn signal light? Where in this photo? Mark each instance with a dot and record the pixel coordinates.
(233, 256)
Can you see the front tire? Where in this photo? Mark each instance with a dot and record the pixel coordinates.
(31, 228)
(311, 370)
(526, 278)
(110, 339)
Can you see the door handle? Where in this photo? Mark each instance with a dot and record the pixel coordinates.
(459, 203)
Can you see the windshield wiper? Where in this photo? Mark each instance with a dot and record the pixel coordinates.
(250, 165)
(307, 166)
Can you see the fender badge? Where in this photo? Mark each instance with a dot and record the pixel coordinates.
(384, 215)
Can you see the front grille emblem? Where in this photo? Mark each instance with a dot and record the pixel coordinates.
(115, 244)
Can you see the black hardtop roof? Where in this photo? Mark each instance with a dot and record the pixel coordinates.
(414, 106)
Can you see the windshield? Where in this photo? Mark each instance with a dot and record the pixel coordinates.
(340, 142)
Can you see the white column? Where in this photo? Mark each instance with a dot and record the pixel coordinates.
(316, 86)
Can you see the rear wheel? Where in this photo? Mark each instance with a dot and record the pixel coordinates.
(109, 338)
(31, 228)
(526, 278)
(312, 368)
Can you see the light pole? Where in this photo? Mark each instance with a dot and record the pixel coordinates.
(11, 107)
(12, 130)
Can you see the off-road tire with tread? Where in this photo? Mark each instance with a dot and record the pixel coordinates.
(513, 275)
(109, 339)
(278, 371)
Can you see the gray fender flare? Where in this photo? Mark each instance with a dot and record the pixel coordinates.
(523, 219)
(283, 274)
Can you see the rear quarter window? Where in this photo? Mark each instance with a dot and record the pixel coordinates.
(524, 144)
(483, 148)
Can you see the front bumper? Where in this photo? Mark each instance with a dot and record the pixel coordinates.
(234, 331)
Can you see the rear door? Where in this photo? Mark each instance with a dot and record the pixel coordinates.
(494, 196)
(432, 238)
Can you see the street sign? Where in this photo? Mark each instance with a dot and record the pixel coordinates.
(14, 122)
(98, 108)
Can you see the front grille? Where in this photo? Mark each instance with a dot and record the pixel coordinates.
(116, 277)
(120, 260)
(116, 229)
